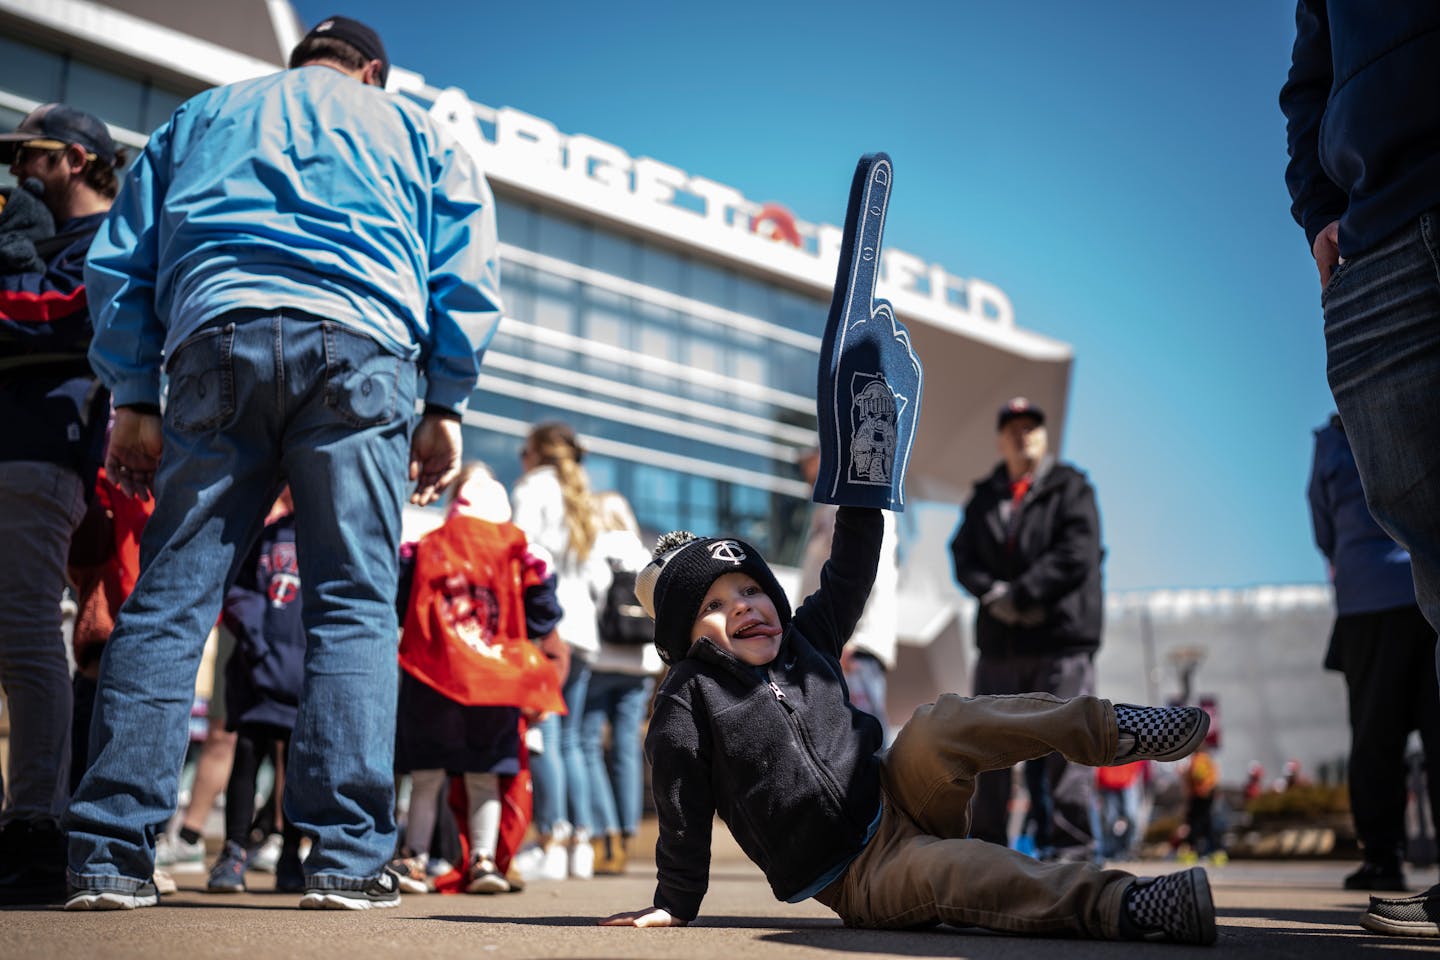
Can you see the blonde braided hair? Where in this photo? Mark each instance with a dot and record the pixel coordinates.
(555, 444)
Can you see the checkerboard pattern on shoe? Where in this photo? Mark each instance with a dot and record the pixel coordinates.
(1417, 916)
(1176, 907)
(1159, 733)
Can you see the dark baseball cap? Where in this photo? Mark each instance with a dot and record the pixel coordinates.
(358, 35)
(54, 126)
(1018, 407)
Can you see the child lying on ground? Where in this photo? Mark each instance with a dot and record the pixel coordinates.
(753, 722)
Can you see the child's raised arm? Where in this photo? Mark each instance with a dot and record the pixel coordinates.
(648, 917)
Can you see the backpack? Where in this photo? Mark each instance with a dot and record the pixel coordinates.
(622, 621)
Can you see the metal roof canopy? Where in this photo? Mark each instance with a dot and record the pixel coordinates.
(967, 378)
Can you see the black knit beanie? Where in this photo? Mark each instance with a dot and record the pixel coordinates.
(672, 585)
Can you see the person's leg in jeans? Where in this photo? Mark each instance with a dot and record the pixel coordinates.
(1382, 336)
(600, 700)
(547, 775)
(346, 450)
(628, 750)
(1382, 341)
(41, 504)
(577, 779)
(217, 476)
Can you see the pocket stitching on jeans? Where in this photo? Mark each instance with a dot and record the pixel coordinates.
(1341, 269)
(332, 389)
(227, 378)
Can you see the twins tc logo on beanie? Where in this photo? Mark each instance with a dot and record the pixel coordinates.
(672, 585)
(728, 551)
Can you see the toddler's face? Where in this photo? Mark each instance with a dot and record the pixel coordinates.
(739, 617)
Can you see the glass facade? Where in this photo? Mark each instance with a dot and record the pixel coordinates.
(43, 75)
(694, 384)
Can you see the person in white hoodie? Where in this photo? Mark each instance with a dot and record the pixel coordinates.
(554, 507)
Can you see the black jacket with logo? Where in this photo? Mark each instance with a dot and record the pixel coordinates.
(1053, 564)
(777, 751)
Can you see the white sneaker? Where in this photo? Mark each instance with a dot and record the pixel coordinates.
(581, 857)
(174, 851)
(164, 883)
(527, 861)
(266, 855)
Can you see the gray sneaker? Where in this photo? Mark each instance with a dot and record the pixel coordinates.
(144, 895)
(378, 892)
(1176, 908)
(1417, 916)
(1158, 733)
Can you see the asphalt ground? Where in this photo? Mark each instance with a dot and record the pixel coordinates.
(1267, 908)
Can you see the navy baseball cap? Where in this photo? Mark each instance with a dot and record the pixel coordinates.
(55, 126)
(358, 35)
(1018, 407)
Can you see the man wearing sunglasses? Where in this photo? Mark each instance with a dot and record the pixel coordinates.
(54, 411)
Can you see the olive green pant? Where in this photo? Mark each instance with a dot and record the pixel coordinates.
(919, 869)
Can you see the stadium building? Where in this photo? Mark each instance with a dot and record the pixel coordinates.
(673, 321)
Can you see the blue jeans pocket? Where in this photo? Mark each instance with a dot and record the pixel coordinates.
(361, 377)
(202, 380)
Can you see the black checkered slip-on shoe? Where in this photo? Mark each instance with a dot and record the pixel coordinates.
(1175, 908)
(1417, 916)
(1158, 733)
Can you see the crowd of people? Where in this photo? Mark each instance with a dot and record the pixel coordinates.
(261, 502)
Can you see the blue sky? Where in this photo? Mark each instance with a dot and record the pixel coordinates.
(1117, 168)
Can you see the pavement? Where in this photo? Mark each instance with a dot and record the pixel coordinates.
(1272, 909)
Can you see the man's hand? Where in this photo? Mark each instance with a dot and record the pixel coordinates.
(999, 604)
(134, 451)
(434, 457)
(649, 917)
(1327, 251)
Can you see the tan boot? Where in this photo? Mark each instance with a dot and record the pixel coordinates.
(610, 856)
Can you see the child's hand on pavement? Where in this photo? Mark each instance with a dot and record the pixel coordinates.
(649, 917)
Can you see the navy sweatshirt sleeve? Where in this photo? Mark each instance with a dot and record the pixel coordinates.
(1303, 99)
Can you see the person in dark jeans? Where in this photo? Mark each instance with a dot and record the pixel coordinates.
(1362, 110)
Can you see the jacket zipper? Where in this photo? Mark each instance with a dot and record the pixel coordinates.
(821, 774)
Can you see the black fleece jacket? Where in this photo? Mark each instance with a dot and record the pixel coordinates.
(1053, 565)
(777, 751)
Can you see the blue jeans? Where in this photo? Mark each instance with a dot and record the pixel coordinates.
(1382, 338)
(616, 798)
(558, 777)
(255, 402)
(41, 504)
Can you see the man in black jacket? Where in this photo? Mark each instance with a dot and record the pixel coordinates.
(1029, 549)
(1362, 109)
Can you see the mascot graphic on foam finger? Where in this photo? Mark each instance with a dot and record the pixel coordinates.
(868, 391)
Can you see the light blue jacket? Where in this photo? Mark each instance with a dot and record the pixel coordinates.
(305, 190)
